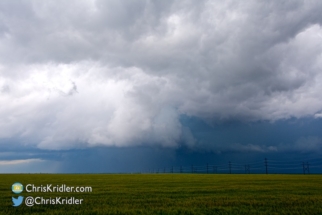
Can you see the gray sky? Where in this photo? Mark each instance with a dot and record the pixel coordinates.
(85, 74)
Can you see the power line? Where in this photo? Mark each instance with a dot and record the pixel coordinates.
(275, 165)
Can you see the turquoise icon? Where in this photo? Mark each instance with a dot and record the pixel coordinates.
(17, 187)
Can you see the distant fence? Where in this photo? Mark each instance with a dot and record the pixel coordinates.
(266, 166)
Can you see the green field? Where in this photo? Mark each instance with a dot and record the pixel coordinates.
(173, 194)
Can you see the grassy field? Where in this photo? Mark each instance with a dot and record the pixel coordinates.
(173, 194)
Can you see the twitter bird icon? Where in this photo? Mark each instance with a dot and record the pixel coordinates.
(17, 201)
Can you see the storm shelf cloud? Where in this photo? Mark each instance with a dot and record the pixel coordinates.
(83, 74)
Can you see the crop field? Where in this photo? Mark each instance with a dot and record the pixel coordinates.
(171, 194)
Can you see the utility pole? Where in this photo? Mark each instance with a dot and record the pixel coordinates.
(308, 167)
(191, 168)
(247, 169)
(207, 168)
(229, 167)
(266, 165)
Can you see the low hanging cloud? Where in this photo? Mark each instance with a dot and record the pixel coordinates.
(119, 73)
(14, 162)
(29, 166)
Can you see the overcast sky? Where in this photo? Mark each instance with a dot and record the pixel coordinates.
(113, 82)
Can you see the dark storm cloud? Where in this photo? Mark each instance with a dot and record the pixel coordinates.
(293, 135)
(119, 73)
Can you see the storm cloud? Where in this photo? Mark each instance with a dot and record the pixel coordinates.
(77, 74)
